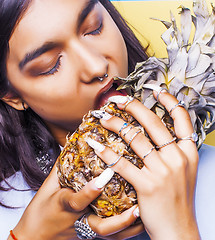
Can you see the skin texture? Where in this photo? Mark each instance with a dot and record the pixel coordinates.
(61, 85)
(85, 52)
(169, 175)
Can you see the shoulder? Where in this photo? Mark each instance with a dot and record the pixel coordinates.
(205, 192)
(21, 193)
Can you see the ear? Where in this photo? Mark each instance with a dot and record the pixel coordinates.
(15, 101)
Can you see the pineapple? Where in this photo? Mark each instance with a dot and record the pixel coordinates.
(188, 74)
(78, 163)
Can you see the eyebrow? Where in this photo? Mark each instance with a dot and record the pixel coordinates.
(86, 11)
(51, 45)
(37, 52)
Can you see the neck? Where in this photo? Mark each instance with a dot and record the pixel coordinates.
(59, 133)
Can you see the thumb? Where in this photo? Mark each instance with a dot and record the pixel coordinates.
(80, 200)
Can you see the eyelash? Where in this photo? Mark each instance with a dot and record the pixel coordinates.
(96, 31)
(54, 69)
(58, 63)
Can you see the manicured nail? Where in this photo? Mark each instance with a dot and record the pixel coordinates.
(136, 212)
(95, 145)
(101, 114)
(118, 99)
(154, 87)
(104, 178)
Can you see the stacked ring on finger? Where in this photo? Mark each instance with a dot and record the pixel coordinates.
(125, 125)
(83, 228)
(127, 131)
(130, 133)
(133, 137)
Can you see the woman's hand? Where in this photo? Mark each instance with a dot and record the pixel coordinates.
(165, 185)
(53, 211)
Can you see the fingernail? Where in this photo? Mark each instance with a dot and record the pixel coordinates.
(101, 114)
(95, 145)
(136, 212)
(153, 87)
(104, 178)
(118, 99)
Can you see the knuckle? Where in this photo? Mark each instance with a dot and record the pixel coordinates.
(75, 205)
(127, 222)
(101, 230)
(151, 188)
(165, 173)
(88, 192)
(180, 164)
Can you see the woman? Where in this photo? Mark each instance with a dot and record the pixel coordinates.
(57, 61)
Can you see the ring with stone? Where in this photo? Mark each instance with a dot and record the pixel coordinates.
(194, 137)
(123, 126)
(83, 228)
(179, 104)
(127, 131)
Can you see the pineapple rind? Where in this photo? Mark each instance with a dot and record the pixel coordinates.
(188, 73)
(78, 163)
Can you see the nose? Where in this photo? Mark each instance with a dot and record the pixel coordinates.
(91, 63)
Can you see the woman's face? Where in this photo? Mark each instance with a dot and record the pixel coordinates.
(57, 52)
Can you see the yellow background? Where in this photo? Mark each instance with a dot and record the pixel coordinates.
(138, 14)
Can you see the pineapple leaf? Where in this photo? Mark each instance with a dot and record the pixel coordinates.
(188, 72)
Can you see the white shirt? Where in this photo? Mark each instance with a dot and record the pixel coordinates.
(204, 202)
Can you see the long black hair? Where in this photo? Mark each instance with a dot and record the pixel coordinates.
(24, 138)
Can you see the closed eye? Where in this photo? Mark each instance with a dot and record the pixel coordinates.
(96, 31)
(54, 69)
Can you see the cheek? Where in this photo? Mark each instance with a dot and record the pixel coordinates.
(118, 48)
(122, 57)
(57, 102)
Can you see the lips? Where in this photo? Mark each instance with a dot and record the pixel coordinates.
(106, 92)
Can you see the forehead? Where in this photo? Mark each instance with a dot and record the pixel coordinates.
(44, 20)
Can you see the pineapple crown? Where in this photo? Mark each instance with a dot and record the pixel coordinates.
(189, 71)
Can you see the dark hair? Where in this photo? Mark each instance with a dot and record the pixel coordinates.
(24, 138)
